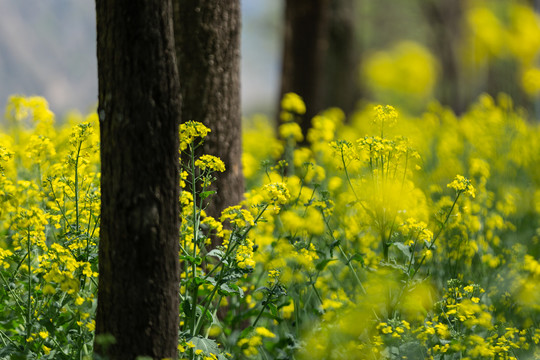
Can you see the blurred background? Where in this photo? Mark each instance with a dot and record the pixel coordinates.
(48, 48)
(404, 53)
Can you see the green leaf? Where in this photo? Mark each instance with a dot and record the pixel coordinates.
(263, 289)
(201, 311)
(273, 309)
(406, 250)
(216, 253)
(206, 194)
(230, 289)
(208, 346)
(202, 281)
(192, 260)
(335, 243)
(246, 332)
(186, 308)
(322, 264)
(357, 257)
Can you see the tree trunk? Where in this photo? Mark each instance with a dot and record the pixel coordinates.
(444, 17)
(305, 47)
(139, 104)
(341, 87)
(207, 36)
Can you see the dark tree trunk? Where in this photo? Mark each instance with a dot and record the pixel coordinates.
(444, 17)
(320, 55)
(304, 53)
(341, 87)
(139, 104)
(207, 36)
(535, 4)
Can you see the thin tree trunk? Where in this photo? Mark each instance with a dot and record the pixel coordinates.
(207, 36)
(139, 104)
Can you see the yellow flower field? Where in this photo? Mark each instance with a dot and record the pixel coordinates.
(388, 237)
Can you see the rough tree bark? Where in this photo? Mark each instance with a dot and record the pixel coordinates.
(139, 102)
(207, 36)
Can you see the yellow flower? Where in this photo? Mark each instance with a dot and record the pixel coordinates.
(264, 332)
(293, 103)
(91, 326)
(79, 301)
(210, 162)
(385, 115)
(462, 184)
(291, 130)
(49, 290)
(191, 130)
(276, 193)
(237, 216)
(80, 133)
(273, 274)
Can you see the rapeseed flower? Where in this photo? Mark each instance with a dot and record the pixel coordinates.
(292, 103)
(191, 130)
(210, 162)
(462, 185)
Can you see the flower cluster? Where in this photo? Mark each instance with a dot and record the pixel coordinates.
(210, 162)
(461, 184)
(49, 222)
(191, 130)
(292, 104)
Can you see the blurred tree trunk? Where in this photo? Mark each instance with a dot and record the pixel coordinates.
(535, 4)
(304, 49)
(320, 56)
(207, 36)
(444, 17)
(341, 86)
(139, 102)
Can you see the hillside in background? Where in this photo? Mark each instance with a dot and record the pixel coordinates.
(47, 48)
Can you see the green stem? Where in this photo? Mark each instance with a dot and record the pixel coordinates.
(207, 301)
(60, 207)
(413, 251)
(297, 313)
(233, 246)
(345, 256)
(29, 300)
(195, 236)
(347, 174)
(4, 337)
(18, 300)
(317, 293)
(265, 305)
(352, 270)
(77, 187)
(437, 235)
